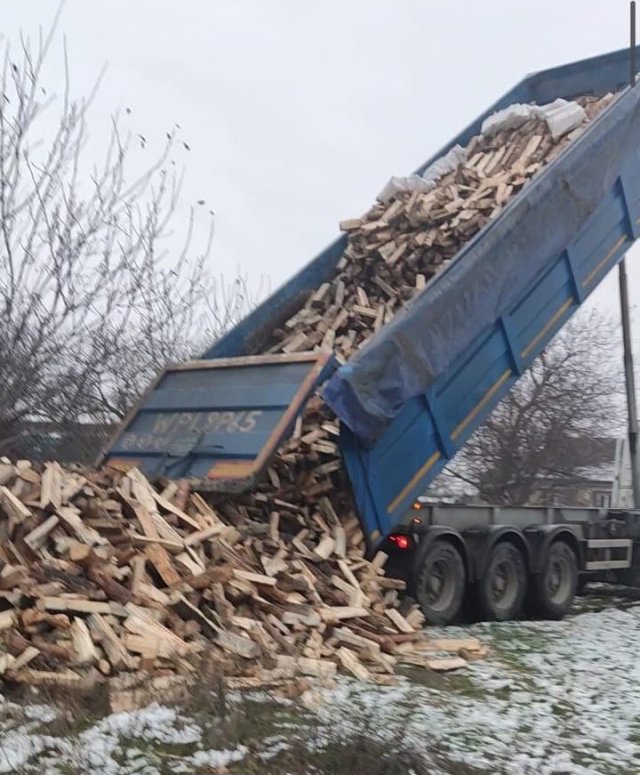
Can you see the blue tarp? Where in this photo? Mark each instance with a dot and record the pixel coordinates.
(486, 278)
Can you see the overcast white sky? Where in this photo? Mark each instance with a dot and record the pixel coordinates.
(297, 111)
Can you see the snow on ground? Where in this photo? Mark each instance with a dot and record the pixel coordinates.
(554, 698)
(117, 744)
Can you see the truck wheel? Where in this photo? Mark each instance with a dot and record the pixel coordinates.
(502, 589)
(439, 582)
(555, 586)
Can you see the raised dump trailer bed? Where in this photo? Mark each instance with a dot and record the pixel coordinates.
(411, 397)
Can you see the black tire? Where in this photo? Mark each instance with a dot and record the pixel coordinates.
(501, 590)
(439, 582)
(555, 586)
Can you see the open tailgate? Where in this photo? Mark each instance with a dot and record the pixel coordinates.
(217, 422)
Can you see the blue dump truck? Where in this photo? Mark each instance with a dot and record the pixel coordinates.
(409, 399)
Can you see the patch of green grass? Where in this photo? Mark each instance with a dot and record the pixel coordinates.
(69, 723)
(362, 755)
(65, 769)
(464, 685)
(427, 678)
(157, 747)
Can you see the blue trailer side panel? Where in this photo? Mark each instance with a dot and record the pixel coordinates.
(433, 426)
(490, 274)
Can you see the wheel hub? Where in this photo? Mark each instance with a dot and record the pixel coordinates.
(439, 585)
(503, 587)
(501, 582)
(558, 579)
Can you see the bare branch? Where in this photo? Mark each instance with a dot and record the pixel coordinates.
(96, 292)
(554, 424)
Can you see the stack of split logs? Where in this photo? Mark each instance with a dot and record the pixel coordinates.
(100, 573)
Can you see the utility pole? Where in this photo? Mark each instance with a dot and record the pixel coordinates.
(629, 374)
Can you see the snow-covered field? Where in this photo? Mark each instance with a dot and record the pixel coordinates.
(554, 698)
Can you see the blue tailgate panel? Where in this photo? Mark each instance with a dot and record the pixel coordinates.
(218, 422)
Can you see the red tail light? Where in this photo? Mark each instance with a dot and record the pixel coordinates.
(401, 541)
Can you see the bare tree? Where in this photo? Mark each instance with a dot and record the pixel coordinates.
(552, 425)
(93, 302)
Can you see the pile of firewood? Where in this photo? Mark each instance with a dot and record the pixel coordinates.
(102, 573)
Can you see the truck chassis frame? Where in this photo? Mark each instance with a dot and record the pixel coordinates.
(533, 557)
